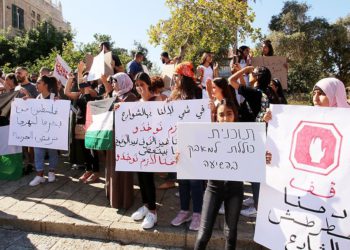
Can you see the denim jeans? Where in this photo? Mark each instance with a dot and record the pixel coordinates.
(229, 192)
(194, 189)
(39, 157)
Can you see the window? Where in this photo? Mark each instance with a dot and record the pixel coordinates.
(17, 17)
(38, 17)
(33, 24)
(33, 14)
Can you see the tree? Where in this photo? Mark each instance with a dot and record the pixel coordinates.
(38, 42)
(203, 25)
(314, 48)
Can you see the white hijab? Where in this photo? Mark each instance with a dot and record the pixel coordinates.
(335, 91)
(124, 82)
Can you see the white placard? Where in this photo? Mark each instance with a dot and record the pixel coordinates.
(167, 74)
(61, 70)
(221, 151)
(39, 123)
(305, 201)
(145, 133)
(97, 68)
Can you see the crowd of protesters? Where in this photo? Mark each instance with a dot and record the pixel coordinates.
(244, 97)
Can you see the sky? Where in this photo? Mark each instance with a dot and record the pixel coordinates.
(128, 21)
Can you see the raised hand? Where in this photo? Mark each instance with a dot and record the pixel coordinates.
(315, 150)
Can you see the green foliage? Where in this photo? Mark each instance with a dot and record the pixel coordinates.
(314, 48)
(201, 25)
(23, 49)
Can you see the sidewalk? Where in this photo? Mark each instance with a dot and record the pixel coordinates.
(67, 207)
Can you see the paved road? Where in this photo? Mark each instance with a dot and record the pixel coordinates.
(19, 240)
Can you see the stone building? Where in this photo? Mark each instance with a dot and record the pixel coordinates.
(26, 14)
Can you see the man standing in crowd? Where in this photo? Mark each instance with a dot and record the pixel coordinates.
(25, 87)
(135, 65)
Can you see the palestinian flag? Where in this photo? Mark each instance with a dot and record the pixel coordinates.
(11, 166)
(99, 125)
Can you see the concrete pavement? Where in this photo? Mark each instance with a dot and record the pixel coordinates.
(69, 208)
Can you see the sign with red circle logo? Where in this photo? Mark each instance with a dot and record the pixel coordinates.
(316, 147)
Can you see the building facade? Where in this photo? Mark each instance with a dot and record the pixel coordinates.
(27, 14)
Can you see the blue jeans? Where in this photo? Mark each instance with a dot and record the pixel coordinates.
(229, 192)
(39, 158)
(194, 188)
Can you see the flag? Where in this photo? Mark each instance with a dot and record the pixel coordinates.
(99, 125)
(61, 70)
(11, 165)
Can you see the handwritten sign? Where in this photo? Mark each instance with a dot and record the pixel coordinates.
(276, 64)
(39, 123)
(221, 151)
(61, 70)
(305, 201)
(167, 74)
(145, 133)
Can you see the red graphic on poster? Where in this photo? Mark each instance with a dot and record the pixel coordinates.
(316, 147)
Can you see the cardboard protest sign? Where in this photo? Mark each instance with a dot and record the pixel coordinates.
(61, 70)
(221, 151)
(88, 61)
(276, 64)
(39, 123)
(145, 133)
(305, 201)
(108, 64)
(167, 74)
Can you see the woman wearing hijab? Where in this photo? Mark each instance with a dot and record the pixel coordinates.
(330, 92)
(119, 185)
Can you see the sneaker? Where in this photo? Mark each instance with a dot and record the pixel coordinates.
(181, 217)
(85, 176)
(51, 177)
(149, 221)
(249, 212)
(248, 202)
(222, 209)
(140, 213)
(196, 222)
(92, 178)
(37, 180)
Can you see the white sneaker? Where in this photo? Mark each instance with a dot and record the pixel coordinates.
(51, 177)
(248, 202)
(149, 221)
(37, 180)
(222, 209)
(249, 212)
(140, 213)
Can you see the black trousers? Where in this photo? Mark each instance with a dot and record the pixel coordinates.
(229, 192)
(148, 189)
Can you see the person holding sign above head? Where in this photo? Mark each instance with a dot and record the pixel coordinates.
(186, 89)
(267, 49)
(86, 93)
(116, 63)
(229, 192)
(47, 88)
(148, 211)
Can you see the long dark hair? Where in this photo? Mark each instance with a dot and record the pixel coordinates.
(142, 76)
(227, 90)
(263, 76)
(269, 45)
(51, 82)
(231, 105)
(187, 89)
(279, 93)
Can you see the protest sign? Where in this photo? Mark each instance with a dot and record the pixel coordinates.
(97, 68)
(167, 74)
(61, 70)
(39, 123)
(108, 64)
(305, 201)
(276, 64)
(145, 133)
(221, 151)
(88, 61)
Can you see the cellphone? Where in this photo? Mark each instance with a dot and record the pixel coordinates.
(84, 85)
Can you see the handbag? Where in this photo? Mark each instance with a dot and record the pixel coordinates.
(79, 131)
